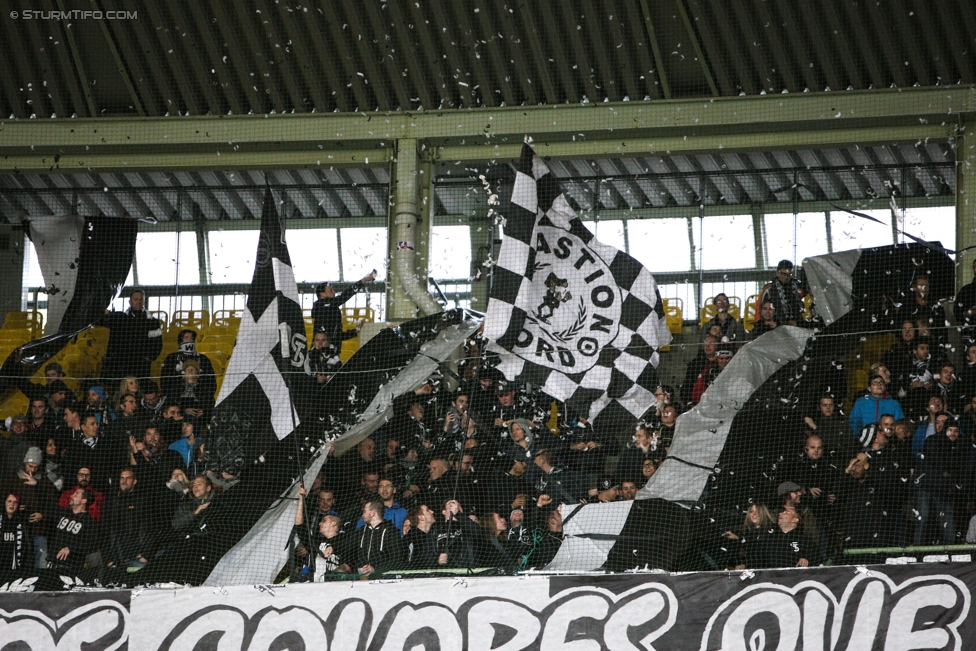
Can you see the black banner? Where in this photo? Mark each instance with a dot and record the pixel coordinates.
(876, 608)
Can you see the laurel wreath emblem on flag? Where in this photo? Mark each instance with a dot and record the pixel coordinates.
(572, 307)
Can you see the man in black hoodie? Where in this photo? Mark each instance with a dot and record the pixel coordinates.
(378, 543)
(938, 479)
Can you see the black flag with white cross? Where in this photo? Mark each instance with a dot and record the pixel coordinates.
(256, 397)
(578, 318)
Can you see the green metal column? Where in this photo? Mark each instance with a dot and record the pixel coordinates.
(403, 202)
(965, 204)
(409, 235)
(425, 216)
(481, 231)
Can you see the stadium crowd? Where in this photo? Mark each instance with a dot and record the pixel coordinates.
(478, 475)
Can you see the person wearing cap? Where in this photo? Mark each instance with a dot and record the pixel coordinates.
(869, 408)
(785, 293)
(98, 406)
(512, 403)
(327, 312)
(606, 489)
(53, 390)
(37, 500)
(135, 340)
(13, 447)
(171, 375)
(584, 449)
(482, 392)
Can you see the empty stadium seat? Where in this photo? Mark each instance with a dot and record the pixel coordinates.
(226, 320)
(31, 321)
(198, 320)
(674, 312)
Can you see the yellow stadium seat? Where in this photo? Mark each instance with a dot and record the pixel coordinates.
(808, 307)
(15, 337)
(749, 321)
(227, 319)
(217, 345)
(709, 311)
(32, 321)
(198, 320)
(674, 312)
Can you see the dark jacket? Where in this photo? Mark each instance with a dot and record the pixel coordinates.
(380, 546)
(419, 549)
(105, 459)
(786, 549)
(186, 515)
(941, 466)
(327, 315)
(172, 374)
(77, 532)
(16, 546)
(135, 341)
(459, 538)
(124, 523)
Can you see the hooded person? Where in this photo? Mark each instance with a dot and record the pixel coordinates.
(16, 542)
(518, 440)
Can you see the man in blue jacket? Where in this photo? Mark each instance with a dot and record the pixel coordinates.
(869, 409)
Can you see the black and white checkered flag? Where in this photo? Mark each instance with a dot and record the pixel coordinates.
(270, 350)
(581, 319)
